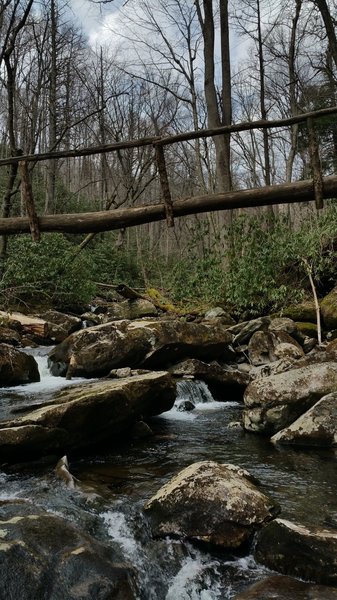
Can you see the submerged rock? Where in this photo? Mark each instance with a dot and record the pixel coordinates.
(272, 403)
(44, 556)
(281, 587)
(294, 549)
(16, 367)
(316, 427)
(208, 502)
(84, 416)
(148, 344)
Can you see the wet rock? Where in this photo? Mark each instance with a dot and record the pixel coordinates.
(281, 587)
(225, 383)
(329, 310)
(16, 367)
(217, 504)
(272, 403)
(147, 344)
(293, 549)
(62, 472)
(83, 416)
(44, 556)
(316, 427)
(268, 346)
(60, 325)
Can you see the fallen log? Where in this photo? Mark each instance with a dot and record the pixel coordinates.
(287, 193)
(30, 324)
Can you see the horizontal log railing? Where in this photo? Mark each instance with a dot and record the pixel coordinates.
(316, 188)
(299, 191)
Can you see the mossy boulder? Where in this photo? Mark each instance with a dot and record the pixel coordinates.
(329, 310)
(305, 312)
(307, 329)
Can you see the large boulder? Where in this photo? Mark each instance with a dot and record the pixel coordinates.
(329, 310)
(294, 549)
(44, 556)
(16, 367)
(149, 344)
(316, 427)
(212, 503)
(268, 346)
(83, 416)
(224, 383)
(281, 587)
(272, 403)
(243, 331)
(306, 311)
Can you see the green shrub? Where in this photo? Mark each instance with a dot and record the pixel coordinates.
(46, 272)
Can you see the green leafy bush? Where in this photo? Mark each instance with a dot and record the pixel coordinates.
(47, 272)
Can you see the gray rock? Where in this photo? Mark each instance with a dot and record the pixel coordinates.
(243, 331)
(281, 587)
(283, 324)
(274, 402)
(217, 504)
(268, 346)
(16, 367)
(316, 427)
(294, 549)
(149, 344)
(44, 556)
(219, 313)
(83, 416)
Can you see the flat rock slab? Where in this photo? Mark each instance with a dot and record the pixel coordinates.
(280, 587)
(217, 504)
(294, 549)
(45, 556)
(316, 427)
(148, 344)
(272, 403)
(85, 415)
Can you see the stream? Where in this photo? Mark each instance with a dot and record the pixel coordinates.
(113, 487)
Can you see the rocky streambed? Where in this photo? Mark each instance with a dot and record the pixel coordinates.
(160, 502)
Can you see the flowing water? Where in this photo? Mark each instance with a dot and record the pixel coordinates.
(113, 488)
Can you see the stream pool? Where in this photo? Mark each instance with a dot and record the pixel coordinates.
(113, 487)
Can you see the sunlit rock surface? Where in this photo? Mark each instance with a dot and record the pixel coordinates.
(316, 427)
(93, 352)
(84, 416)
(272, 403)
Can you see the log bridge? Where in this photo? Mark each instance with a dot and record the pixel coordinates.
(316, 189)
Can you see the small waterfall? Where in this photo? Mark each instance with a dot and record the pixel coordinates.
(194, 391)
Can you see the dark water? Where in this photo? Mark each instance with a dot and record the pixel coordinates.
(113, 488)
